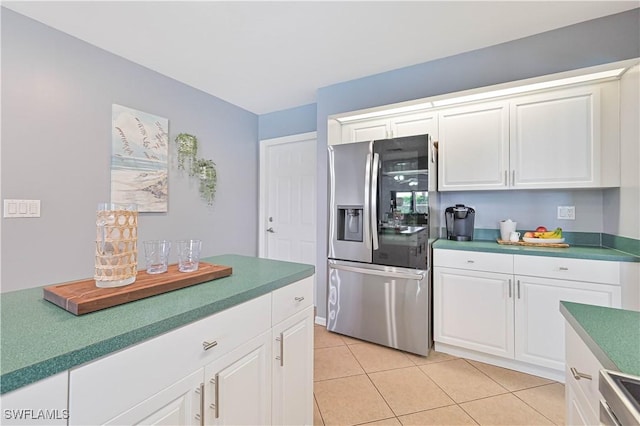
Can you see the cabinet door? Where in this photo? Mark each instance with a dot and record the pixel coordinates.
(473, 147)
(367, 130)
(238, 387)
(42, 402)
(578, 413)
(179, 404)
(474, 310)
(293, 370)
(414, 124)
(539, 324)
(555, 140)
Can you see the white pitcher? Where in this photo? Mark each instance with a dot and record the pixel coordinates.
(506, 228)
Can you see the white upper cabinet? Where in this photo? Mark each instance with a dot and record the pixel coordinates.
(390, 127)
(564, 138)
(473, 147)
(555, 139)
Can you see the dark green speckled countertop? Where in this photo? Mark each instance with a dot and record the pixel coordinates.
(577, 252)
(613, 335)
(39, 339)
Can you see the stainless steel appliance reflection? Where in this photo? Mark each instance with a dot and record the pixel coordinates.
(622, 398)
(379, 252)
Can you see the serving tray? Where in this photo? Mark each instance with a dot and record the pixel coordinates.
(525, 243)
(81, 297)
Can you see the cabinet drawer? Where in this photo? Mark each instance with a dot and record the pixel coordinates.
(132, 375)
(474, 260)
(580, 358)
(292, 299)
(597, 271)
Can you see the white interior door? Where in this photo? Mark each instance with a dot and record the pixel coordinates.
(288, 198)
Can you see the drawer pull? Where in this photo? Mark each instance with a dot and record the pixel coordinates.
(208, 345)
(299, 299)
(563, 268)
(509, 288)
(578, 375)
(471, 261)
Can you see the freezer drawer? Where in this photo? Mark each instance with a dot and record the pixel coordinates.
(381, 304)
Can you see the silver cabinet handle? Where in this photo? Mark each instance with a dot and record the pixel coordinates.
(563, 268)
(299, 299)
(513, 178)
(509, 288)
(208, 345)
(506, 178)
(270, 229)
(216, 399)
(578, 375)
(200, 416)
(281, 357)
(471, 261)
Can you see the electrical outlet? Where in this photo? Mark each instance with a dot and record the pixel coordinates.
(21, 208)
(567, 212)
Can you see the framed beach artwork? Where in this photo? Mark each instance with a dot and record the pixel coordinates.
(139, 159)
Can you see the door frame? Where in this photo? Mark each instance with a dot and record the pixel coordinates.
(265, 144)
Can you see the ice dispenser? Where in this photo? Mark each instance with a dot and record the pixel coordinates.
(350, 223)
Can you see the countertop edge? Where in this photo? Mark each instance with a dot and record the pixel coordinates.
(597, 351)
(32, 373)
(608, 254)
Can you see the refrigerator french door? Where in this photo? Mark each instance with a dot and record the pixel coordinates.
(379, 276)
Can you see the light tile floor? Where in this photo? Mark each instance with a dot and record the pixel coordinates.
(357, 383)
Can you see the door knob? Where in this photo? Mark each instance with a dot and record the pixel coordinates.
(270, 229)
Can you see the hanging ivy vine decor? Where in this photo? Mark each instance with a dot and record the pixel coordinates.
(203, 169)
(208, 179)
(187, 150)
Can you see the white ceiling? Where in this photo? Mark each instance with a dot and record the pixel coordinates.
(267, 56)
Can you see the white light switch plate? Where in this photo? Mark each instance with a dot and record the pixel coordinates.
(21, 208)
(567, 212)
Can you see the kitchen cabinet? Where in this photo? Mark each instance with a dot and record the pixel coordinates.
(582, 397)
(292, 369)
(473, 147)
(507, 306)
(474, 310)
(561, 138)
(42, 402)
(217, 370)
(390, 127)
(238, 385)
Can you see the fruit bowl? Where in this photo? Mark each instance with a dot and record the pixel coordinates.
(543, 240)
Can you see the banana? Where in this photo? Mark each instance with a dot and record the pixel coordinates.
(555, 234)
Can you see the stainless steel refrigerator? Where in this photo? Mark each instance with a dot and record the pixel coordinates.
(381, 197)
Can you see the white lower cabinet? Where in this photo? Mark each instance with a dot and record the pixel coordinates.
(292, 369)
(238, 385)
(179, 404)
(538, 321)
(473, 309)
(582, 397)
(509, 315)
(216, 371)
(40, 403)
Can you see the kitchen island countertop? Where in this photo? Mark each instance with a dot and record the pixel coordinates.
(576, 252)
(39, 339)
(612, 335)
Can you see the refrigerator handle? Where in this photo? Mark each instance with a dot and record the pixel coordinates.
(374, 201)
(418, 275)
(366, 214)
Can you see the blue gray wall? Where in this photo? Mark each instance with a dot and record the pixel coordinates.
(600, 41)
(288, 122)
(57, 93)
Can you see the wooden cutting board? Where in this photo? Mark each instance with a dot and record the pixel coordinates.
(81, 297)
(525, 243)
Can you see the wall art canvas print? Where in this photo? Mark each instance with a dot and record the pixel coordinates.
(139, 159)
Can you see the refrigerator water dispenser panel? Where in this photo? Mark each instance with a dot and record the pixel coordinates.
(350, 223)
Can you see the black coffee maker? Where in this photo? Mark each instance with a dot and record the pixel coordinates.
(459, 220)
